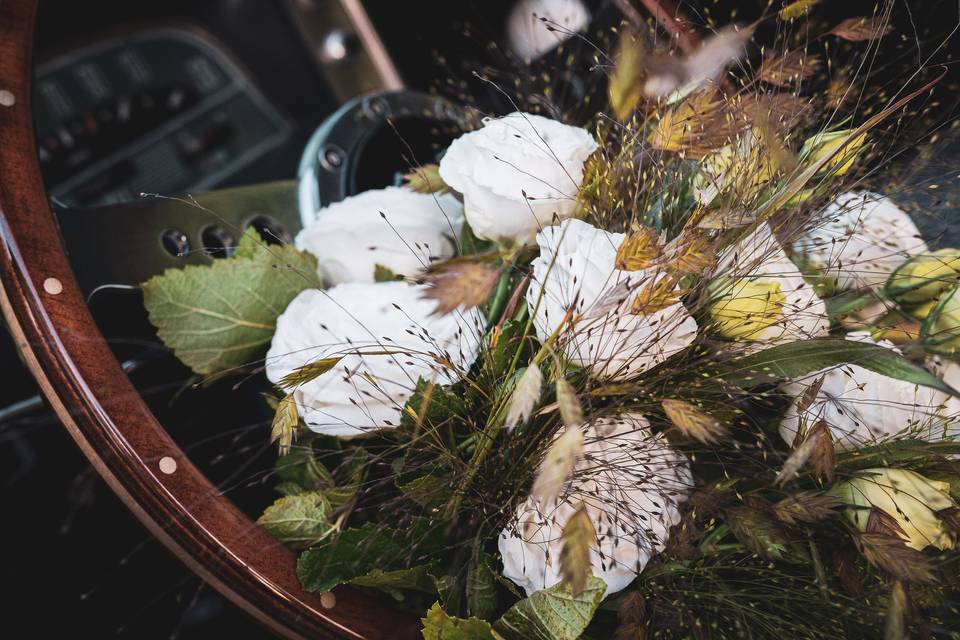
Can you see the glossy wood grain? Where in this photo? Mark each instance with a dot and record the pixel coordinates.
(83, 382)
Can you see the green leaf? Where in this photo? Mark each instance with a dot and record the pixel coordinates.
(350, 555)
(301, 467)
(289, 489)
(396, 582)
(481, 589)
(899, 451)
(427, 491)
(349, 477)
(298, 520)
(552, 614)
(358, 551)
(848, 302)
(450, 590)
(439, 626)
(223, 315)
(797, 359)
(431, 404)
(384, 274)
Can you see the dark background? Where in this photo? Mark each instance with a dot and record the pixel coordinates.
(73, 557)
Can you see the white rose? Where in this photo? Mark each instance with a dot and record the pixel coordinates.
(399, 229)
(517, 174)
(576, 265)
(864, 237)
(366, 390)
(862, 407)
(631, 483)
(534, 27)
(759, 259)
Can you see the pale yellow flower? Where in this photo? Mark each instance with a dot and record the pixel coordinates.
(926, 277)
(824, 144)
(911, 500)
(747, 307)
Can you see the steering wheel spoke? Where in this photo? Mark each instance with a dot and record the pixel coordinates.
(126, 244)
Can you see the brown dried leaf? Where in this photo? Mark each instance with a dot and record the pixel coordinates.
(690, 252)
(625, 86)
(809, 395)
(824, 458)
(698, 125)
(782, 111)
(632, 617)
(884, 524)
(638, 250)
(863, 28)
(805, 507)
(459, 284)
(578, 536)
(756, 531)
(425, 179)
(693, 422)
(892, 555)
(950, 517)
(783, 70)
(815, 448)
(704, 65)
(797, 9)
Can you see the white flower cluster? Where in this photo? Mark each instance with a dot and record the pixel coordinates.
(630, 483)
(575, 272)
(518, 178)
(386, 334)
(386, 339)
(517, 174)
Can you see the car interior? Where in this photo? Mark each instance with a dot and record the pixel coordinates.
(162, 129)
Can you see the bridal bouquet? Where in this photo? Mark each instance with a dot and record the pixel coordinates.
(667, 374)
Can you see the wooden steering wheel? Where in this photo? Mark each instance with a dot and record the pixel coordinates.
(45, 309)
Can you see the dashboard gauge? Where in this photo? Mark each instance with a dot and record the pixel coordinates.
(160, 111)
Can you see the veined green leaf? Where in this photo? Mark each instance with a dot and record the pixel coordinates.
(481, 588)
(358, 551)
(796, 359)
(552, 614)
(299, 520)
(440, 626)
(219, 316)
(397, 581)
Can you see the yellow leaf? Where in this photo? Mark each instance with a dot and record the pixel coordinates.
(797, 9)
(657, 295)
(624, 86)
(308, 372)
(285, 424)
(638, 250)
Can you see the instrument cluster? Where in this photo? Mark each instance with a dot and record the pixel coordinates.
(162, 110)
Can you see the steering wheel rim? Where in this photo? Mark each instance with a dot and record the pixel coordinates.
(48, 318)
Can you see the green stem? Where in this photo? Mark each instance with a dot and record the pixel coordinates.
(499, 298)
